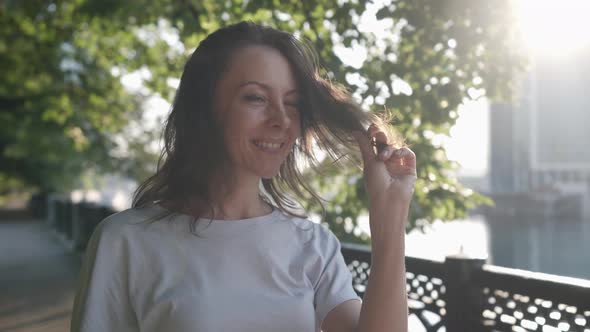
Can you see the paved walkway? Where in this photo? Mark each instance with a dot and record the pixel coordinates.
(37, 278)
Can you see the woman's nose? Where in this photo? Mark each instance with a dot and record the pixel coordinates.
(279, 116)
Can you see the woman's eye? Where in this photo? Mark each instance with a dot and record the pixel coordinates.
(296, 105)
(255, 98)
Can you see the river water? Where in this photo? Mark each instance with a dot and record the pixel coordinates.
(552, 246)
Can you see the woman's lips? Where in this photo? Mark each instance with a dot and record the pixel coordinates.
(269, 146)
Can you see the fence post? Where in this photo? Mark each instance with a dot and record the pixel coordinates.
(463, 299)
(51, 216)
(88, 218)
(38, 205)
(77, 226)
(68, 219)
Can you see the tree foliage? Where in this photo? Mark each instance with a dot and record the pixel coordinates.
(64, 108)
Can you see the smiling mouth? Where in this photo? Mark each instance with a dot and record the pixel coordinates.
(269, 147)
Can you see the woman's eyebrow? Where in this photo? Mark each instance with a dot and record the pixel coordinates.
(265, 86)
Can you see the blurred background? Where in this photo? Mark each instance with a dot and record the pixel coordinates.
(490, 96)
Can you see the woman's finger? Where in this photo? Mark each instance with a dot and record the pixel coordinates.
(406, 156)
(379, 138)
(387, 152)
(377, 133)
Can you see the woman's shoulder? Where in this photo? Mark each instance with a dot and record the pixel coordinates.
(126, 222)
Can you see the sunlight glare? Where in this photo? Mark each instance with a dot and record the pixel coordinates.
(553, 28)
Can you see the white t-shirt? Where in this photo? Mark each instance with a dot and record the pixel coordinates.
(268, 273)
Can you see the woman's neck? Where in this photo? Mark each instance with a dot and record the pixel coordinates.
(241, 200)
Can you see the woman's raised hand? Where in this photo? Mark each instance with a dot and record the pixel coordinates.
(390, 174)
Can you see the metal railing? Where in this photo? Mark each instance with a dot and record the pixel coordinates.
(466, 294)
(459, 294)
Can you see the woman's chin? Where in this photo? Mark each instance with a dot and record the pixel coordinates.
(268, 174)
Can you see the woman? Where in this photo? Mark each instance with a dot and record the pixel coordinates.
(249, 105)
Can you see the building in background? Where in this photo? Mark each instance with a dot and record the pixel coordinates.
(540, 145)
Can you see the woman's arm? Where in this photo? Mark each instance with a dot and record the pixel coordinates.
(102, 299)
(389, 177)
(385, 304)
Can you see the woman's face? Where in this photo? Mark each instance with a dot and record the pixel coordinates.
(256, 101)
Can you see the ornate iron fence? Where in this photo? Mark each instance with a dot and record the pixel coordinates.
(463, 294)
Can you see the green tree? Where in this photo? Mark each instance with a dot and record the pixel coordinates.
(63, 106)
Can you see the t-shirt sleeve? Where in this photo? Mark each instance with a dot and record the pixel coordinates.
(335, 282)
(102, 299)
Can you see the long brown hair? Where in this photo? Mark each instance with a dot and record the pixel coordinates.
(193, 148)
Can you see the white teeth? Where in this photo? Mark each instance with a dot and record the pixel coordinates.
(265, 145)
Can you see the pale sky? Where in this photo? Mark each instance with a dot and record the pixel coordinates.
(469, 140)
(553, 28)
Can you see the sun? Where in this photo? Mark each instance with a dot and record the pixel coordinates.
(553, 28)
